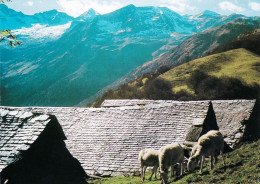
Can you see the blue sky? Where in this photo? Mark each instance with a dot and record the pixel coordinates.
(77, 7)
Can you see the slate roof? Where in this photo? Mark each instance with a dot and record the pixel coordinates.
(18, 131)
(132, 102)
(232, 116)
(107, 141)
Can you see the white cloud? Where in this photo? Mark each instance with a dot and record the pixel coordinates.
(180, 6)
(29, 3)
(254, 6)
(228, 6)
(77, 7)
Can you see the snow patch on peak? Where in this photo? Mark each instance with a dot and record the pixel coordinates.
(161, 12)
(38, 31)
(156, 18)
(88, 14)
(120, 31)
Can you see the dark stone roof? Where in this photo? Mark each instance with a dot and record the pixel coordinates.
(232, 117)
(107, 140)
(18, 131)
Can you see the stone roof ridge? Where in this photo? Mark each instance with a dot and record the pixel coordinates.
(18, 131)
(136, 102)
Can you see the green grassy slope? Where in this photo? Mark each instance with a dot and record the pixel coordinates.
(242, 166)
(240, 64)
(237, 63)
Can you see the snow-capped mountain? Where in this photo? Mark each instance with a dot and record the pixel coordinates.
(208, 19)
(91, 13)
(40, 33)
(11, 19)
(90, 52)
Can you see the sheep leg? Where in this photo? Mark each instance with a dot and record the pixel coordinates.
(221, 152)
(141, 171)
(155, 172)
(211, 161)
(172, 172)
(216, 159)
(201, 163)
(144, 169)
(181, 168)
(152, 173)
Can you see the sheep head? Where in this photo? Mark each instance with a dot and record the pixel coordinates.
(164, 177)
(192, 162)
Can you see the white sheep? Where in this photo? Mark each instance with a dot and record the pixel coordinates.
(194, 149)
(168, 156)
(177, 167)
(148, 157)
(209, 144)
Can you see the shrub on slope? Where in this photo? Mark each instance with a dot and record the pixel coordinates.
(249, 41)
(228, 75)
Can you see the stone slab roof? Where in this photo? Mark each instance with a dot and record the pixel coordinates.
(232, 116)
(107, 141)
(18, 131)
(128, 102)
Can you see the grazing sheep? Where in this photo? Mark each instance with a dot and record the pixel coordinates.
(210, 144)
(194, 149)
(148, 157)
(168, 156)
(177, 167)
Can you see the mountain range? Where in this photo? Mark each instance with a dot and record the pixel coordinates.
(65, 60)
(11, 19)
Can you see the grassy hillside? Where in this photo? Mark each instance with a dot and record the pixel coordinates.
(237, 63)
(192, 48)
(236, 70)
(242, 166)
(199, 44)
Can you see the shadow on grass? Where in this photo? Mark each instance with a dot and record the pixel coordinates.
(231, 166)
